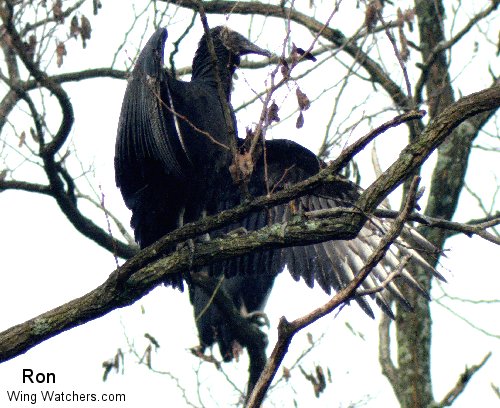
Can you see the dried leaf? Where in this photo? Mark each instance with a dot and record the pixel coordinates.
(85, 30)
(409, 15)
(3, 174)
(74, 27)
(147, 353)
(30, 47)
(22, 139)
(116, 362)
(405, 50)
(303, 100)
(58, 11)
(60, 52)
(318, 382)
(242, 169)
(310, 338)
(286, 373)
(152, 340)
(300, 121)
(401, 17)
(321, 384)
(285, 69)
(294, 55)
(272, 114)
(373, 8)
(107, 365)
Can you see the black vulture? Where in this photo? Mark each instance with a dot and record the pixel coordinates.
(172, 167)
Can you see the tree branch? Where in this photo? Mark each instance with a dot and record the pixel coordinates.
(475, 227)
(136, 278)
(436, 132)
(287, 330)
(444, 45)
(330, 34)
(462, 382)
(43, 79)
(384, 349)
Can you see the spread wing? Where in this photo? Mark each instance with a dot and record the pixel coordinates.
(331, 264)
(150, 167)
(146, 134)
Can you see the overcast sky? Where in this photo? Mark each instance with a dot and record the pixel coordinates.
(46, 262)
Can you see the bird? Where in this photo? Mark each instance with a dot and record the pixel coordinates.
(166, 131)
(172, 166)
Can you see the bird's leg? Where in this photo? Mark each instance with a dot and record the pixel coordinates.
(237, 232)
(189, 242)
(259, 319)
(205, 237)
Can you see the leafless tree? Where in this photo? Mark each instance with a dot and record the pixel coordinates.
(379, 66)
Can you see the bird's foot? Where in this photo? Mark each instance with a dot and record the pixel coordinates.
(190, 245)
(259, 319)
(238, 232)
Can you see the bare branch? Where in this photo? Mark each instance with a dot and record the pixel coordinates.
(24, 186)
(384, 349)
(476, 227)
(315, 26)
(462, 382)
(44, 80)
(442, 46)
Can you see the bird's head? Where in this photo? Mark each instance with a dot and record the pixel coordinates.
(235, 43)
(229, 47)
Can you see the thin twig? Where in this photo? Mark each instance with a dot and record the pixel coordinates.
(462, 382)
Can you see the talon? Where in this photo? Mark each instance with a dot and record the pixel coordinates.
(191, 247)
(259, 319)
(238, 231)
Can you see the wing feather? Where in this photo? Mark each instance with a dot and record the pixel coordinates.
(332, 264)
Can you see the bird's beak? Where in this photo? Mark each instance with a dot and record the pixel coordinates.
(247, 47)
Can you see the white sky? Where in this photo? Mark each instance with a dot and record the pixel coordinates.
(46, 262)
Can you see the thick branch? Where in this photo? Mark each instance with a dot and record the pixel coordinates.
(436, 132)
(137, 278)
(118, 292)
(24, 186)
